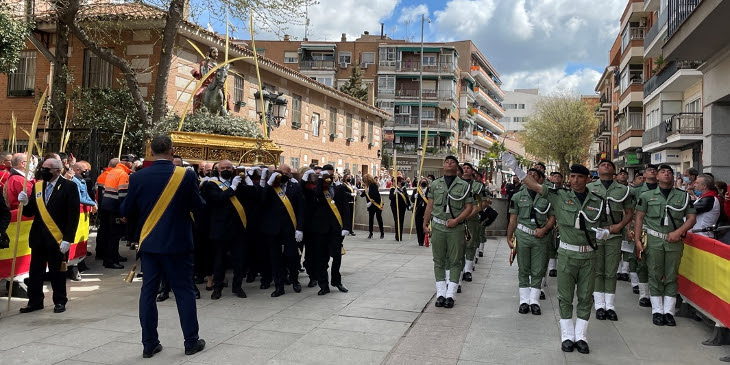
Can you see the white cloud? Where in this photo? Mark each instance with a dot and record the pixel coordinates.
(461, 18)
(550, 80)
(330, 18)
(412, 14)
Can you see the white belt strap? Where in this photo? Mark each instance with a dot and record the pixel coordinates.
(525, 229)
(576, 248)
(439, 221)
(656, 234)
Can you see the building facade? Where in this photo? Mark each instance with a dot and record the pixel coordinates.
(519, 105)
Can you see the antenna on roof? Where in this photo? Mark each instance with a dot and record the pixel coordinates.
(306, 21)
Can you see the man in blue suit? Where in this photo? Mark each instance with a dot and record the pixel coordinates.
(167, 249)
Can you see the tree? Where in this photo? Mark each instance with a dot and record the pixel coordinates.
(353, 86)
(560, 129)
(12, 40)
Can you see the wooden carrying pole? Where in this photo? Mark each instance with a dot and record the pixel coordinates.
(121, 141)
(28, 156)
(395, 184)
(418, 176)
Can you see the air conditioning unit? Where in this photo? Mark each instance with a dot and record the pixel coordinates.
(333, 135)
(642, 22)
(343, 64)
(364, 65)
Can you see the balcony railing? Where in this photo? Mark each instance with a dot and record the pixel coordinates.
(654, 31)
(667, 72)
(427, 94)
(317, 65)
(678, 124)
(632, 121)
(411, 148)
(468, 91)
(414, 66)
(678, 11)
(412, 121)
(637, 33)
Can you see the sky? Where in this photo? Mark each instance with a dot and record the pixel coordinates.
(547, 44)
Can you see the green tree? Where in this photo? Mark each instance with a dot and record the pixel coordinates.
(12, 40)
(560, 129)
(353, 86)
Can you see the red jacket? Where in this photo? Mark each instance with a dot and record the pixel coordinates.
(13, 187)
(4, 175)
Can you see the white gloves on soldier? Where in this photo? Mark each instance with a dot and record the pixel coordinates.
(298, 236)
(511, 162)
(272, 178)
(235, 182)
(64, 246)
(602, 233)
(23, 198)
(345, 233)
(369, 204)
(248, 180)
(264, 173)
(306, 175)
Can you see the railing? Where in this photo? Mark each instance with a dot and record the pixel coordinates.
(468, 91)
(652, 134)
(488, 95)
(317, 65)
(414, 66)
(682, 123)
(667, 72)
(654, 31)
(466, 135)
(411, 148)
(427, 94)
(631, 122)
(412, 121)
(636, 33)
(678, 11)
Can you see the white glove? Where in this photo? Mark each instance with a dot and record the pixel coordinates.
(602, 233)
(272, 178)
(248, 181)
(262, 182)
(369, 204)
(511, 162)
(353, 194)
(250, 171)
(23, 198)
(298, 236)
(345, 233)
(293, 181)
(306, 175)
(64, 246)
(235, 182)
(205, 179)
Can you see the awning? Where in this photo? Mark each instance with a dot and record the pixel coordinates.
(415, 103)
(319, 46)
(423, 133)
(418, 49)
(425, 77)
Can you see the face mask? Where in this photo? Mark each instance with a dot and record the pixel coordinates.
(46, 174)
(226, 174)
(84, 174)
(423, 184)
(685, 179)
(698, 193)
(214, 173)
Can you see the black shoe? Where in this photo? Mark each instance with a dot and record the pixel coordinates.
(277, 292)
(535, 309)
(382, 235)
(265, 286)
(239, 293)
(476, 260)
(458, 289)
(467, 276)
(582, 347)
(148, 355)
(121, 259)
(312, 283)
(542, 295)
(208, 288)
(611, 315)
(341, 288)
(216, 294)
(199, 346)
(567, 346)
(59, 308)
(657, 319)
(601, 314)
(250, 278)
(114, 266)
(73, 273)
(524, 308)
(370, 235)
(163, 296)
(440, 301)
(645, 302)
(132, 247)
(352, 233)
(449, 303)
(28, 309)
(287, 281)
(636, 289)
(297, 287)
(481, 254)
(82, 266)
(323, 291)
(669, 320)
(197, 293)
(554, 273)
(199, 280)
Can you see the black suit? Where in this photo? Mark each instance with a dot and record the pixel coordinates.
(328, 231)
(419, 210)
(63, 207)
(372, 209)
(399, 203)
(278, 230)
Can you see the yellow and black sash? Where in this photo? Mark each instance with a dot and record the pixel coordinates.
(379, 206)
(162, 203)
(43, 211)
(422, 194)
(287, 204)
(332, 205)
(236, 204)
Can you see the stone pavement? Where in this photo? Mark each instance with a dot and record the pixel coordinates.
(387, 317)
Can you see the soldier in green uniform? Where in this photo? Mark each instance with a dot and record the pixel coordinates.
(666, 214)
(577, 212)
(472, 222)
(531, 219)
(449, 204)
(636, 266)
(618, 210)
(556, 178)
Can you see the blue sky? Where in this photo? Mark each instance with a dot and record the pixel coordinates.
(550, 44)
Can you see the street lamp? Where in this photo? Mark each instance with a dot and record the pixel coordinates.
(275, 109)
(419, 147)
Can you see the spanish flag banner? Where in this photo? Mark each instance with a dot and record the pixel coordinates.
(702, 272)
(22, 263)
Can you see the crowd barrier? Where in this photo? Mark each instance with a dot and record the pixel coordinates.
(22, 263)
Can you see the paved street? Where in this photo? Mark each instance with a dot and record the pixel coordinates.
(387, 317)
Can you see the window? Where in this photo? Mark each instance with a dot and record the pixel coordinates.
(387, 56)
(518, 119)
(323, 56)
(386, 83)
(370, 132)
(428, 114)
(237, 89)
(625, 38)
(362, 128)
(261, 52)
(348, 125)
(325, 80)
(403, 109)
(368, 58)
(22, 81)
(291, 57)
(296, 110)
(315, 124)
(294, 163)
(333, 121)
(282, 160)
(97, 72)
(510, 106)
(429, 60)
(344, 57)
(520, 106)
(693, 106)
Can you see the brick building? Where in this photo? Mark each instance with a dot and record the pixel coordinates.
(323, 124)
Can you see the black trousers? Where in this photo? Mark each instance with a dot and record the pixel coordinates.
(419, 225)
(310, 254)
(261, 263)
(379, 215)
(284, 258)
(203, 254)
(39, 258)
(328, 245)
(222, 247)
(401, 214)
(116, 232)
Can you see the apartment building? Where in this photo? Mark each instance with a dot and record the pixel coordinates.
(323, 125)
(608, 90)
(460, 101)
(519, 105)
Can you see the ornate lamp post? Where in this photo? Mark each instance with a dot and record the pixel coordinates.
(273, 111)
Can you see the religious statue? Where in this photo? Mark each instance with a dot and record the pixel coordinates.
(211, 93)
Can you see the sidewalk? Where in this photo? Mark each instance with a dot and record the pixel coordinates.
(387, 317)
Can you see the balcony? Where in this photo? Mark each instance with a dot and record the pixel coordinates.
(412, 149)
(409, 66)
(409, 121)
(637, 34)
(680, 10)
(484, 98)
(468, 91)
(483, 139)
(677, 131)
(675, 77)
(696, 30)
(319, 65)
(488, 121)
(605, 102)
(467, 137)
(654, 39)
(492, 83)
(428, 94)
(634, 121)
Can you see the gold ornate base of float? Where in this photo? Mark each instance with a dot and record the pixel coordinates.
(197, 147)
